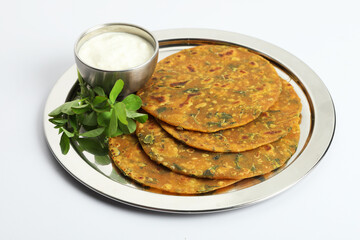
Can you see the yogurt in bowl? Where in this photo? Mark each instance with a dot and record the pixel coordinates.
(113, 51)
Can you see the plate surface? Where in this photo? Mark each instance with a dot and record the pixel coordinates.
(317, 129)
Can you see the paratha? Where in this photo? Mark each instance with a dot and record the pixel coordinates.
(268, 127)
(164, 149)
(128, 156)
(210, 88)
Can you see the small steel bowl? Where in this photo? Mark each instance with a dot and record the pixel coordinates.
(134, 78)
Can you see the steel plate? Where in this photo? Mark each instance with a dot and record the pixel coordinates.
(317, 130)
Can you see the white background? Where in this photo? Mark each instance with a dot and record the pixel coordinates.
(39, 200)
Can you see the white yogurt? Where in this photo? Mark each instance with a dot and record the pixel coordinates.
(115, 51)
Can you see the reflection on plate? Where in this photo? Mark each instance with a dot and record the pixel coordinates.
(317, 128)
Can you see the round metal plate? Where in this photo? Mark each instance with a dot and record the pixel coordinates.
(317, 129)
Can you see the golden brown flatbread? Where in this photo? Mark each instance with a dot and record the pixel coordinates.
(267, 128)
(128, 156)
(211, 88)
(164, 149)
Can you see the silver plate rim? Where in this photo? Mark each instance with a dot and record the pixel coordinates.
(322, 134)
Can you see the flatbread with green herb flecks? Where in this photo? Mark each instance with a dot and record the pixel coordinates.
(128, 156)
(164, 149)
(268, 127)
(210, 88)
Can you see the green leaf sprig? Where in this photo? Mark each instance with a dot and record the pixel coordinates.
(93, 117)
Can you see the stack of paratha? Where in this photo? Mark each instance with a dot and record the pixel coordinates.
(220, 114)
